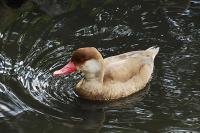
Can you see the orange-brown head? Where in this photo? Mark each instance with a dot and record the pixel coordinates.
(85, 59)
(81, 55)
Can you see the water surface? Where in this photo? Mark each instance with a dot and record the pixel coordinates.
(36, 40)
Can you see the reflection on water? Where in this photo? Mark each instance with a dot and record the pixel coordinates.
(34, 43)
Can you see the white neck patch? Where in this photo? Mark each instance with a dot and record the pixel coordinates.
(92, 66)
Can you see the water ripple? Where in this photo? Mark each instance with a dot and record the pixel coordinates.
(36, 44)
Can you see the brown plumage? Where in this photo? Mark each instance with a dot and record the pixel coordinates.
(113, 77)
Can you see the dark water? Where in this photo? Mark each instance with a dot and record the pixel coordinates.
(36, 40)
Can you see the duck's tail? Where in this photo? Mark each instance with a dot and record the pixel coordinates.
(154, 50)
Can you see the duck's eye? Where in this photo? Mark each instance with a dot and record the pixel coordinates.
(82, 60)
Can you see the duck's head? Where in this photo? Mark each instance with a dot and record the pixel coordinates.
(87, 60)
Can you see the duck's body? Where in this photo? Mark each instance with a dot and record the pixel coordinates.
(113, 77)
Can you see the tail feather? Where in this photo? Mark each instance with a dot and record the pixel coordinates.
(154, 50)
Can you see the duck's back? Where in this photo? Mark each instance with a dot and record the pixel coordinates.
(125, 66)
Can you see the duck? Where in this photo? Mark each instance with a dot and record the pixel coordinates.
(110, 78)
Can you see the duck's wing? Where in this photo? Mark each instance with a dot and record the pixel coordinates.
(152, 51)
(124, 66)
(120, 57)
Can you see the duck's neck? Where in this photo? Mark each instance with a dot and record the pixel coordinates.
(95, 76)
